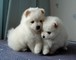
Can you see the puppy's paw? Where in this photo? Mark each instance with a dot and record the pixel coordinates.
(45, 52)
(38, 48)
(37, 51)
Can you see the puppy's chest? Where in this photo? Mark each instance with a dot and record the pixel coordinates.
(48, 42)
(35, 37)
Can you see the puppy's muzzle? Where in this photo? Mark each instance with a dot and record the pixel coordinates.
(37, 27)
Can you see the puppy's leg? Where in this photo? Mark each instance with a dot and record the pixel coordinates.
(15, 45)
(45, 49)
(38, 48)
(31, 46)
(22, 48)
(65, 46)
(65, 42)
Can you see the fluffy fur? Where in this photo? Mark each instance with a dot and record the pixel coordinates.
(28, 32)
(54, 35)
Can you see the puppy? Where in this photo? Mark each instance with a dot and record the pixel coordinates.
(54, 35)
(28, 32)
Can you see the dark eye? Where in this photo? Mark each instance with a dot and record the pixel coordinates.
(32, 21)
(41, 21)
(49, 32)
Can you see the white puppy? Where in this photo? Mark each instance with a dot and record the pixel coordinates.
(54, 35)
(28, 32)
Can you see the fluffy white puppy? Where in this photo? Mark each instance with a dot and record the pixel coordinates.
(28, 32)
(54, 35)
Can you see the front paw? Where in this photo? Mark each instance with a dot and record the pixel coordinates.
(37, 50)
(45, 52)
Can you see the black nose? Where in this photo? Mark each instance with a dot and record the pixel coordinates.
(37, 27)
(43, 36)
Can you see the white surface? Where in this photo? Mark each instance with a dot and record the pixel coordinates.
(67, 12)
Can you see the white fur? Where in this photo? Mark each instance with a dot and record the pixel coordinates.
(58, 36)
(25, 34)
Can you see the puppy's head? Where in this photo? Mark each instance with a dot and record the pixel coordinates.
(33, 18)
(51, 28)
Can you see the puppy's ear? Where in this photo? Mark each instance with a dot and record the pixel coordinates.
(27, 13)
(56, 25)
(42, 10)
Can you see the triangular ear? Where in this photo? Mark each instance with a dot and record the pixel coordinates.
(42, 10)
(56, 25)
(27, 13)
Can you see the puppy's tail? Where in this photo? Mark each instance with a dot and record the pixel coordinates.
(10, 32)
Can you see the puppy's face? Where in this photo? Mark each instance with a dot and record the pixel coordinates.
(36, 25)
(50, 29)
(34, 18)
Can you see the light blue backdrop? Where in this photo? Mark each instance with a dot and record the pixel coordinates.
(5, 10)
(1, 10)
